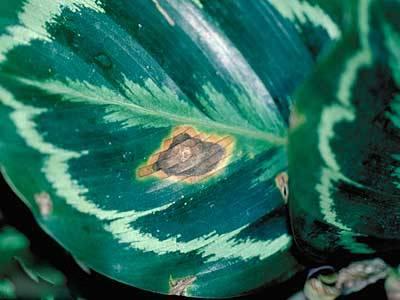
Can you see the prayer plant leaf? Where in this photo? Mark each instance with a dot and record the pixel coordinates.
(146, 136)
(344, 143)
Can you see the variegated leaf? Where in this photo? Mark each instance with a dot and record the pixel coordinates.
(146, 135)
(345, 142)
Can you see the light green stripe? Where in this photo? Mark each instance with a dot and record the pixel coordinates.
(362, 58)
(333, 115)
(34, 17)
(329, 118)
(303, 12)
(212, 246)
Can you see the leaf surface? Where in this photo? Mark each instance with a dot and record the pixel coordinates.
(146, 135)
(344, 143)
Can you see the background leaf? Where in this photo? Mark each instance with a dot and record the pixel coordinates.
(344, 142)
(23, 275)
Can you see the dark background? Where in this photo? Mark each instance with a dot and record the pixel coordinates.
(13, 212)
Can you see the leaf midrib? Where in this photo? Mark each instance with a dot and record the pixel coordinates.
(243, 131)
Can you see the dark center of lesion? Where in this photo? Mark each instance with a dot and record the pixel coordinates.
(189, 156)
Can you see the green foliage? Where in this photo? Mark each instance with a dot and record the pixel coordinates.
(151, 133)
(24, 276)
(149, 138)
(11, 243)
(344, 142)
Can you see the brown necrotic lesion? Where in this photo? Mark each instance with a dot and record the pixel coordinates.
(282, 183)
(189, 156)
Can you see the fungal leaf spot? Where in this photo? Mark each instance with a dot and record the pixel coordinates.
(178, 287)
(281, 181)
(188, 156)
(44, 203)
(296, 119)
